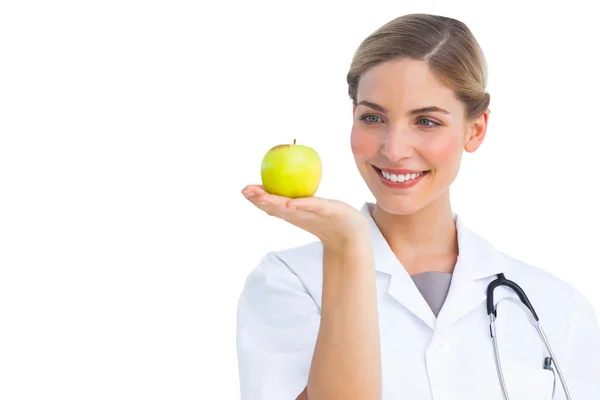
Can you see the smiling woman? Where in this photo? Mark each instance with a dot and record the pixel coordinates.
(419, 124)
(390, 302)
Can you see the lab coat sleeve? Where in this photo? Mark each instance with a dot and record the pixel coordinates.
(582, 355)
(277, 326)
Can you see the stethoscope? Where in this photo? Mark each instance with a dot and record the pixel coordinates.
(526, 306)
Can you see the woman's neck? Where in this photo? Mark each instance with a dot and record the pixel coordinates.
(423, 241)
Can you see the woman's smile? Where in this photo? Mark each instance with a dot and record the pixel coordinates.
(400, 179)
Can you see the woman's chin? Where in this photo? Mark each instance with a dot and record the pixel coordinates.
(398, 206)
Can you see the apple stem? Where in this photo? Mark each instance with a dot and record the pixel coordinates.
(294, 141)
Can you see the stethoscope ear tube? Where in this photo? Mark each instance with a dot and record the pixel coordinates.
(500, 281)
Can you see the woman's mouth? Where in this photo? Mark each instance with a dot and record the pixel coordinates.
(400, 179)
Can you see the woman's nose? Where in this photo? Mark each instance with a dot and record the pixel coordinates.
(397, 145)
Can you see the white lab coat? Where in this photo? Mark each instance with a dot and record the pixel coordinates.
(423, 357)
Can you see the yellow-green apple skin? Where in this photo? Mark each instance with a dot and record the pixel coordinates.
(291, 170)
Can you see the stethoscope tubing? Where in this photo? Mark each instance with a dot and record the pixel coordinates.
(526, 306)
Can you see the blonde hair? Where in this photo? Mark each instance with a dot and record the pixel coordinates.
(445, 44)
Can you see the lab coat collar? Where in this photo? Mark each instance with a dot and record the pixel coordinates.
(477, 260)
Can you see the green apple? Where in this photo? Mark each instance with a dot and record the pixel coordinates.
(291, 170)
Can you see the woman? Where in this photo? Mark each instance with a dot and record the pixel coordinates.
(390, 302)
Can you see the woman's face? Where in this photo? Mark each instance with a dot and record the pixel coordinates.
(408, 135)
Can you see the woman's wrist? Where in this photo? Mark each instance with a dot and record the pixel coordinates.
(356, 245)
(347, 242)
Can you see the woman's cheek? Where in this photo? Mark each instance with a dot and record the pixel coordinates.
(445, 151)
(363, 146)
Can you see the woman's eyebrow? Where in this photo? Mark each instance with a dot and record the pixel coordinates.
(428, 109)
(377, 107)
(372, 105)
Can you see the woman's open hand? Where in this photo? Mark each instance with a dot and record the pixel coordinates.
(334, 222)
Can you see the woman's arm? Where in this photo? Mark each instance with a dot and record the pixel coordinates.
(347, 363)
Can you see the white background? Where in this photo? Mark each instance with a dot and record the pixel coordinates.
(129, 128)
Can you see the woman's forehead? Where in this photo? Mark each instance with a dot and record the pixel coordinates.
(404, 84)
(402, 75)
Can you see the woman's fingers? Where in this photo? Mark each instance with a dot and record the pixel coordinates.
(271, 204)
(280, 206)
(253, 191)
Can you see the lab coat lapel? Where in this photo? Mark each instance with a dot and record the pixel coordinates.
(401, 286)
(477, 264)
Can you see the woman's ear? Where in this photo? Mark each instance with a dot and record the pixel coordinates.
(476, 132)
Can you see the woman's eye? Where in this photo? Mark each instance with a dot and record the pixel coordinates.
(427, 122)
(371, 119)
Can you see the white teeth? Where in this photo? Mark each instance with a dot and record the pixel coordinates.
(401, 178)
